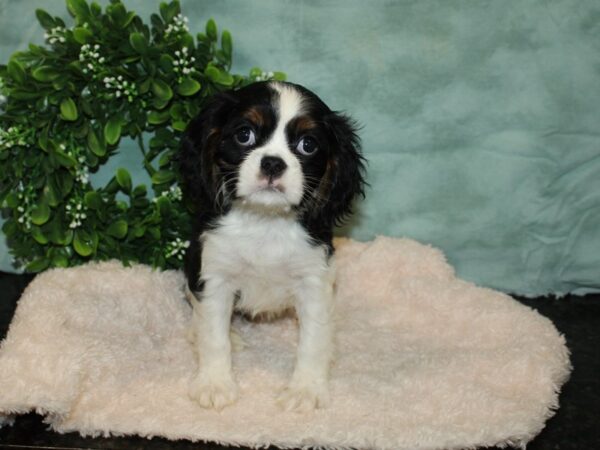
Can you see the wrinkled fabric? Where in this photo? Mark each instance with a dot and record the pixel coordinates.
(480, 119)
(423, 359)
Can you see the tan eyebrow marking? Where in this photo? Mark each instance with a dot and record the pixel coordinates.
(305, 123)
(255, 116)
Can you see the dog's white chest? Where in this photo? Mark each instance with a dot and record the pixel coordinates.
(265, 258)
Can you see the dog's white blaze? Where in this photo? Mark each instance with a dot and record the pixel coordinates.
(290, 103)
(250, 184)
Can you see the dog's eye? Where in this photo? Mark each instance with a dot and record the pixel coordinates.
(245, 136)
(307, 146)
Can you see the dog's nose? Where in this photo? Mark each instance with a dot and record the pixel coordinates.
(272, 166)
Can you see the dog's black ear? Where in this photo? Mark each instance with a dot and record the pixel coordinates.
(196, 159)
(345, 170)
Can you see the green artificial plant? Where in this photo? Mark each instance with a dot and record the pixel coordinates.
(65, 108)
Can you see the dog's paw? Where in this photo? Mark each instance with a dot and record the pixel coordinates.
(213, 392)
(304, 397)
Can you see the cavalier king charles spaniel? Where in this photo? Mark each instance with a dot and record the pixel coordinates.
(270, 169)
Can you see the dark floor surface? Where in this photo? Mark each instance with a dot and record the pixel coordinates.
(575, 426)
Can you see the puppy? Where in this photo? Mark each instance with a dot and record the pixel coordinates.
(271, 169)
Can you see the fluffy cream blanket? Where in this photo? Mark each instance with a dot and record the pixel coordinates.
(424, 360)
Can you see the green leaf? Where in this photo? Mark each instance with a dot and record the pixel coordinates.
(117, 13)
(279, 76)
(211, 29)
(38, 235)
(58, 233)
(68, 110)
(159, 103)
(138, 231)
(95, 9)
(158, 117)
(124, 179)
(163, 176)
(93, 200)
(64, 159)
(63, 181)
(161, 90)
(82, 35)
(117, 229)
(83, 243)
(164, 206)
(179, 125)
(52, 194)
(176, 111)
(16, 71)
(128, 19)
(95, 144)
(166, 62)
(169, 10)
(12, 201)
(59, 260)
(140, 191)
(45, 73)
(218, 76)
(112, 130)
(138, 42)
(188, 87)
(226, 43)
(45, 19)
(78, 8)
(40, 214)
(10, 228)
(37, 265)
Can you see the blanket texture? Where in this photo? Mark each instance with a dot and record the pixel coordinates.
(424, 360)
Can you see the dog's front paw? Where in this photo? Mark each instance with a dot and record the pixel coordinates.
(304, 396)
(213, 392)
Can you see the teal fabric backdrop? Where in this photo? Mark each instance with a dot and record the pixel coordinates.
(481, 119)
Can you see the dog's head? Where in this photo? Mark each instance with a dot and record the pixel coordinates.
(273, 146)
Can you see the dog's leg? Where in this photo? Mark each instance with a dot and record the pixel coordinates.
(308, 388)
(214, 386)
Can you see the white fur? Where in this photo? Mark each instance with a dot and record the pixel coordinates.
(286, 190)
(267, 257)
